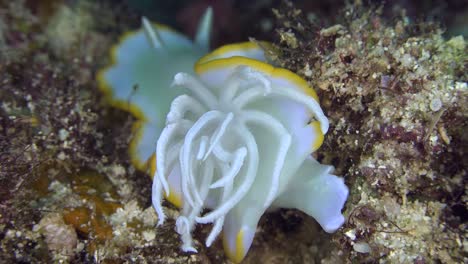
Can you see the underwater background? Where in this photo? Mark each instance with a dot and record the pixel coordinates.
(391, 77)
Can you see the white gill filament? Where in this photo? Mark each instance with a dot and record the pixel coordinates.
(285, 143)
(184, 180)
(183, 228)
(156, 198)
(246, 182)
(219, 133)
(208, 173)
(217, 227)
(271, 123)
(222, 154)
(173, 156)
(188, 187)
(168, 133)
(249, 95)
(247, 77)
(205, 120)
(232, 85)
(157, 182)
(228, 186)
(252, 74)
(248, 74)
(184, 224)
(188, 222)
(236, 165)
(202, 189)
(187, 175)
(202, 148)
(197, 88)
(181, 105)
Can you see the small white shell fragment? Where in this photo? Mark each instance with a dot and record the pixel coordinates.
(351, 234)
(63, 134)
(362, 247)
(149, 235)
(436, 104)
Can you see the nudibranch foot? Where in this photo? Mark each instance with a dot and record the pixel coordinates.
(315, 191)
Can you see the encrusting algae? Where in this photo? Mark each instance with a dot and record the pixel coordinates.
(396, 97)
(394, 92)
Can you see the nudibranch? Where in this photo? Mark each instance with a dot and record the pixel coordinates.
(233, 134)
(142, 67)
(238, 141)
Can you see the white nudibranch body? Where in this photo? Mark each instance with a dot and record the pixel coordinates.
(234, 134)
(238, 141)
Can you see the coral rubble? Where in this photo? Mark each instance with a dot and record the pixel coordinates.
(396, 95)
